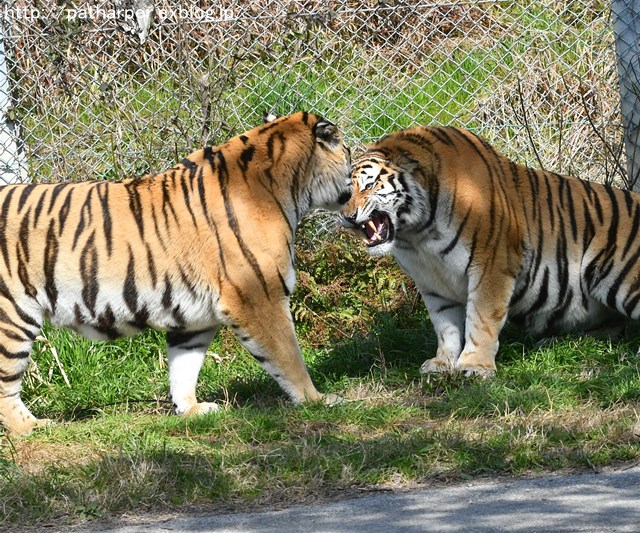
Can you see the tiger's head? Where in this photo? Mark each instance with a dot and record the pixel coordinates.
(385, 201)
(329, 168)
(332, 187)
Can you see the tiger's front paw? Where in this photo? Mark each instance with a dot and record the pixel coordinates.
(437, 365)
(26, 426)
(442, 363)
(39, 423)
(471, 363)
(201, 408)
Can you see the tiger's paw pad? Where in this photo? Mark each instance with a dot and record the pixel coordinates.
(201, 409)
(436, 366)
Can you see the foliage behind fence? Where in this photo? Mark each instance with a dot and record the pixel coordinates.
(94, 96)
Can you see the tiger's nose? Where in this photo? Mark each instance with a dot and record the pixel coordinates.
(344, 197)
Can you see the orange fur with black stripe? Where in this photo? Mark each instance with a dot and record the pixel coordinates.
(207, 243)
(486, 239)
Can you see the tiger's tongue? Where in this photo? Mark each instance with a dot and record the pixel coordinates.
(373, 230)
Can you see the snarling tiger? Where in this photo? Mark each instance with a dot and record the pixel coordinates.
(486, 239)
(207, 243)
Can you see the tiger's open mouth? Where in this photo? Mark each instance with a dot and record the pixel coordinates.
(377, 230)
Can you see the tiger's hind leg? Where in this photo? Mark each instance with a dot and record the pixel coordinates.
(186, 352)
(16, 340)
(269, 335)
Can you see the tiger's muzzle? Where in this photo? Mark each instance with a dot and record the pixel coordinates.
(375, 230)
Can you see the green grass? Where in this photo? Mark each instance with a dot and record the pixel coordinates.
(569, 403)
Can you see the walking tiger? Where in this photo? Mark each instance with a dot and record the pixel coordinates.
(207, 243)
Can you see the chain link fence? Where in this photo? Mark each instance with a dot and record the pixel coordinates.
(106, 90)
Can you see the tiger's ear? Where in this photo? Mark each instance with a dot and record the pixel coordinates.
(268, 116)
(404, 161)
(327, 134)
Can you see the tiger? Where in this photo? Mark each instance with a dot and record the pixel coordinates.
(209, 242)
(486, 239)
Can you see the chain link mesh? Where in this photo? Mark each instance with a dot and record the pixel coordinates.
(97, 93)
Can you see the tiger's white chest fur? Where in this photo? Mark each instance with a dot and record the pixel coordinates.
(422, 260)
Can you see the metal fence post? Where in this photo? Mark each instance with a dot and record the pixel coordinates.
(626, 25)
(12, 163)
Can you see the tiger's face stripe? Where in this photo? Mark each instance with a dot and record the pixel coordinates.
(209, 242)
(487, 239)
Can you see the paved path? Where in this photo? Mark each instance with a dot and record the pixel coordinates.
(604, 502)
